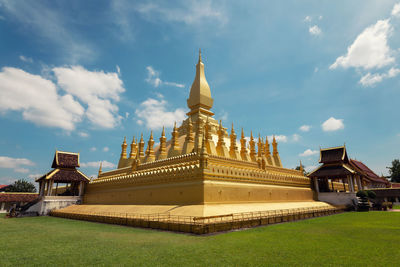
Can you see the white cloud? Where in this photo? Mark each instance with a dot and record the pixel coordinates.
(122, 15)
(153, 78)
(332, 124)
(2, 18)
(188, 12)
(296, 137)
(155, 115)
(21, 170)
(97, 89)
(310, 168)
(83, 134)
(372, 79)
(106, 149)
(34, 176)
(396, 10)
(314, 30)
(307, 19)
(305, 128)
(278, 138)
(370, 49)
(26, 59)
(308, 153)
(93, 149)
(15, 163)
(224, 115)
(40, 102)
(96, 164)
(39, 19)
(320, 17)
(37, 99)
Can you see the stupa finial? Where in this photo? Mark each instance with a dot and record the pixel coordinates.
(200, 99)
(200, 55)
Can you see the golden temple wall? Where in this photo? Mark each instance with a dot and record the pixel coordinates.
(194, 179)
(183, 193)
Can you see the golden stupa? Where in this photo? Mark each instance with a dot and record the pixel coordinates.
(201, 171)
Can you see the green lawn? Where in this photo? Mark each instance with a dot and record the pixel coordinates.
(396, 207)
(347, 239)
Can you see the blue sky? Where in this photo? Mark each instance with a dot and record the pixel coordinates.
(80, 75)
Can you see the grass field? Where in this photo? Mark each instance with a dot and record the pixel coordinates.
(396, 207)
(347, 239)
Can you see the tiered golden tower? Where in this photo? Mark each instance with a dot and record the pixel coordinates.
(200, 164)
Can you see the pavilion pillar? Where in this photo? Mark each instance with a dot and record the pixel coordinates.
(2, 205)
(344, 185)
(361, 183)
(47, 187)
(397, 199)
(41, 187)
(81, 186)
(50, 187)
(326, 184)
(358, 182)
(350, 182)
(316, 185)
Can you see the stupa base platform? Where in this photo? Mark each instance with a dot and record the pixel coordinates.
(198, 219)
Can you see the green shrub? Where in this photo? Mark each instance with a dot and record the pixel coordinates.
(362, 194)
(371, 194)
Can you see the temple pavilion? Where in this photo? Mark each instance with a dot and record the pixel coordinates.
(204, 169)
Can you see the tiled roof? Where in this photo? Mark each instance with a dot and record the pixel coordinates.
(333, 155)
(3, 186)
(18, 197)
(65, 160)
(65, 175)
(367, 171)
(331, 171)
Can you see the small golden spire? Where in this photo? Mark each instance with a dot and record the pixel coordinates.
(252, 147)
(150, 150)
(243, 150)
(274, 146)
(100, 169)
(162, 152)
(141, 147)
(133, 148)
(222, 150)
(233, 149)
(124, 146)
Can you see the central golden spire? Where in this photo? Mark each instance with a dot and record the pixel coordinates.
(200, 94)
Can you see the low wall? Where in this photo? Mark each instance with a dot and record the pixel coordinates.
(49, 203)
(338, 198)
(200, 225)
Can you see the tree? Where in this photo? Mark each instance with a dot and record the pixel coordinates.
(21, 186)
(394, 171)
(304, 171)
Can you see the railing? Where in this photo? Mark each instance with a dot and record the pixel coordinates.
(199, 225)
